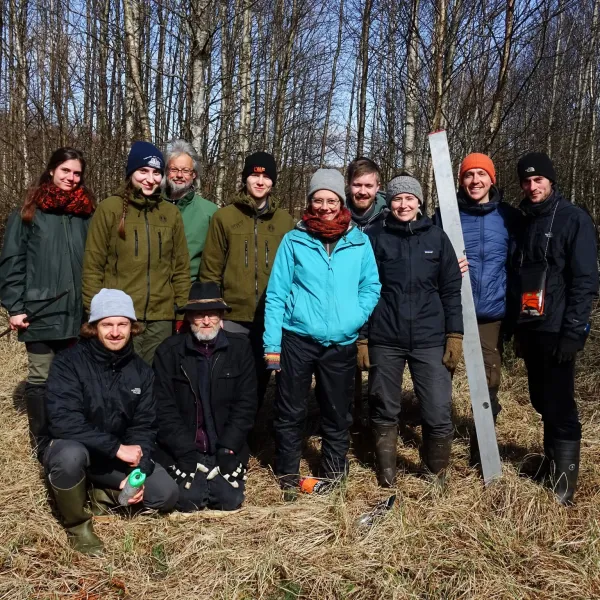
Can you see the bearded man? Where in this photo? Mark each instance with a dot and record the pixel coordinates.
(205, 390)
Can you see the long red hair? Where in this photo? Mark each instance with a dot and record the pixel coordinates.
(58, 158)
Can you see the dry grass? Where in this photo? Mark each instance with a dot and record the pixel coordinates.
(508, 541)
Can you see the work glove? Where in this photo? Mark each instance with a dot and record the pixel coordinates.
(567, 349)
(453, 351)
(186, 477)
(272, 359)
(362, 356)
(229, 467)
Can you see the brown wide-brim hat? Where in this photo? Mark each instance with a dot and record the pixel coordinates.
(205, 296)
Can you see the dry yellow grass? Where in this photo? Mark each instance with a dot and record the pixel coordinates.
(508, 541)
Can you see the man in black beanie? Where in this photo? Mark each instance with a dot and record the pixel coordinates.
(557, 283)
(240, 248)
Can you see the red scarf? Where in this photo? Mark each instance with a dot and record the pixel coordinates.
(330, 231)
(51, 198)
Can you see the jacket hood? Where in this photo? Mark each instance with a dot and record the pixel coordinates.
(370, 215)
(248, 203)
(407, 227)
(466, 204)
(533, 209)
(139, 200)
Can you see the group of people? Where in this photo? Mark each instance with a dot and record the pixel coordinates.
(162, 319)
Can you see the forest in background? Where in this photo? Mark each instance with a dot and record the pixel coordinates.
(316, 83)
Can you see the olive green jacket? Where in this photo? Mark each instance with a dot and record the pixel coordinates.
(151, 264)
(239, 252)
(39, 261)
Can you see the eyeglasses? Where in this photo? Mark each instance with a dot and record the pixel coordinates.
(213, 318)
(329, 203)
(176, 171)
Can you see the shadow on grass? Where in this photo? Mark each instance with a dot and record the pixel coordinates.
(18, 398)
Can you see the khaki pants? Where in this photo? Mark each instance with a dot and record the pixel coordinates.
(40, 356)
(491, 347)
(155, 332)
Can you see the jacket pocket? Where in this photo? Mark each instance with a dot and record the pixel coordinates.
(246, 253)
(267, 253)
(159, 246)
(137, 243)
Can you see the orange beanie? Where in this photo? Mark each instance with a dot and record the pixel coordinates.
(477, 161)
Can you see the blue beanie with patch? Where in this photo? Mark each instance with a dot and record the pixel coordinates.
(144, 154)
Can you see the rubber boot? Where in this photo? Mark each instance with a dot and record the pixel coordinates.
(436, 453)
(35, 401)
(103, 501)
(386, 437)
(565, 469)
(76, 519)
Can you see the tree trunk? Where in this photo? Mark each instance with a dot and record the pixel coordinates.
(364, 77)
(244, 130)
(412, 74)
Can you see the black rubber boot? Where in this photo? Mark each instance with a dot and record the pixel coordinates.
(436, 453)
(35, 401)
(76, 519)
(564, 469)
(386, 437)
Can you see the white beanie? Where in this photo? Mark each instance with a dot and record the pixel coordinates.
(327, 179)
(111, 303)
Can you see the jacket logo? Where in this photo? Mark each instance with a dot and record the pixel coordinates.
(238, 224)
(136, 391)
(428, 251)
(162, 219)
(271, 228)
(530, 170)
(154, 161)
(259, 169)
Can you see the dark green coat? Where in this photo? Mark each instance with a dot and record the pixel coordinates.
(39, 261)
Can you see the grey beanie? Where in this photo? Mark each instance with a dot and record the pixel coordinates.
(403, 184)
(111, 303)
(327, 179)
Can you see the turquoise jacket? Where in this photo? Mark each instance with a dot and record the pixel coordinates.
(326, 298)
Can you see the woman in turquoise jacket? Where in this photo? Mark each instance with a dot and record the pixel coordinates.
(323, 287)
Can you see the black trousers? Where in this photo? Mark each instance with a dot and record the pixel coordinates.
(333, 367)
(551, 386)
(67, 462)
(432, 383)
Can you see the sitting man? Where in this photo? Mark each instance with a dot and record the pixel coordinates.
(102, 420)
(205, 391)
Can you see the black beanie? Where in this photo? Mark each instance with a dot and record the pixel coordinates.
(536, 163)
(260, 163)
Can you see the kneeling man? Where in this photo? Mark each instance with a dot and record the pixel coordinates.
(102, 420)
(205, 390)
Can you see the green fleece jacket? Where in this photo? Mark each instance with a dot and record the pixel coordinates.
(239, 253)
(196, 213)
(151, 264)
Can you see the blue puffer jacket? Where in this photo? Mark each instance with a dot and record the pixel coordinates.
(489, 232)
(326, 298)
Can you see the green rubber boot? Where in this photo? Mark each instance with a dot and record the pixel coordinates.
(103, 501)
(77, 520)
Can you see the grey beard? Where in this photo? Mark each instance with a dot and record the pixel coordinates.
(205, 337)
(176, 191)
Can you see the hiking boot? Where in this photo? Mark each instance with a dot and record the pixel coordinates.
(564, 469)
(35, 401)
(386, 437)
(436, 454)
(103, 501)
(76, 519)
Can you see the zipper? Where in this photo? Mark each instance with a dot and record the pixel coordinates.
(193, 392)
(159, 246)
(148, 267)
(246, 252)
(481, 256)
(256, 259)
(136, 241)
(267, 253)
(410, 340)
(212, 369)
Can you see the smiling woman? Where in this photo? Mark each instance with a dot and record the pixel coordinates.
(137, 244)
(42, 257)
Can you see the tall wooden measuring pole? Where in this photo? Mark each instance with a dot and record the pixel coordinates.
(480, 399)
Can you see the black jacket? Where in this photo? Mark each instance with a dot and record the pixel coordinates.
(38, 262)
(572, 276)
(230, 413)
(102, 399)
(420, 298)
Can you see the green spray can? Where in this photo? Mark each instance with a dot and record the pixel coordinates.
(132, 486)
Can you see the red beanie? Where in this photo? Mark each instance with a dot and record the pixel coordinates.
(477, 161)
